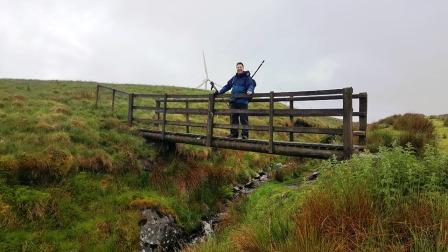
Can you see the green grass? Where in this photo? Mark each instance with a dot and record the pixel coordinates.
(71, 179)
(392, 201)
(415, 129)
(442, 133)
(71, 175)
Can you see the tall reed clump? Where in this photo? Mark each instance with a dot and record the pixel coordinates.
(394, 201)
(414, 129)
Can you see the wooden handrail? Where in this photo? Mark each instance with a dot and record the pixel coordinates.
(311, 130)
(346, 112)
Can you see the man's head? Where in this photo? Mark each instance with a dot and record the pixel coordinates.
(239, 68)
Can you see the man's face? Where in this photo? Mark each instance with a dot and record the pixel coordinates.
(239, 68)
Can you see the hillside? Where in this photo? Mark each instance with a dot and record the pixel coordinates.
(72, 178)
(392, 201)
(69, 172)
(417, 129)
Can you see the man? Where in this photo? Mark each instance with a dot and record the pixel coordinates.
(240, 83)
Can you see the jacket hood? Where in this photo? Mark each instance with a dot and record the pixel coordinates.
(244, 73)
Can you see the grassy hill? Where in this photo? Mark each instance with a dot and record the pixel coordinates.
(70, 174)
(441, 129)
(416, 129)
(391, 201)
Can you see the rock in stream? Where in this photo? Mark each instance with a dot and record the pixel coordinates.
(159, 232)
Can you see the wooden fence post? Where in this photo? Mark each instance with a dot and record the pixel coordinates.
(348, 122)
(157, 113)
(187, 106)
(113, 101)
(291, 119)
(130, 109)
(363, 118)
(211, 111)
(97, 95)
(271, 122)
(165, 97)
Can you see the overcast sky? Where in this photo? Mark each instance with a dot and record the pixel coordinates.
(396, 50)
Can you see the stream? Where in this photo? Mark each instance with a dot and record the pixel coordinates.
(159, 232)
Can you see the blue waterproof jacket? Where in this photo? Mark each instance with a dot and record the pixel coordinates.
(240, 84)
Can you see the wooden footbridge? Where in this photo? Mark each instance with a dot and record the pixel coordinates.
(168, 118)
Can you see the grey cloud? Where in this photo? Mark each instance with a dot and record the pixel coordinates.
(395, 50)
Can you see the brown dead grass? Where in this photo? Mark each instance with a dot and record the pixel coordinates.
(44, 125)
(83, 94)
(152, 204)
(244, 240)
(100, 161)
(109, 123)
(61, 110)
(186, 153)
(8, 219)
(35, 211)
(17, 101)
(18, 104)
(59, 138)
(418, 217)
(17, 98)
(415, 123)
(104, 229)
(49, 166)
(78, 122)
(105, 182)
(346, 221)
(191, 178)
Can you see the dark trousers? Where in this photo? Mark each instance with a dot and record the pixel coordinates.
(243, 119)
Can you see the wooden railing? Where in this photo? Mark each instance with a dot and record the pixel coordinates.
(211, 110)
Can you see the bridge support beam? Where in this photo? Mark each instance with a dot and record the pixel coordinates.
(257, 146)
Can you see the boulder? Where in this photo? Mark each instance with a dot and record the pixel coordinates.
(159, 232)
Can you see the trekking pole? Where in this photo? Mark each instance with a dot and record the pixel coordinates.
(257, 69)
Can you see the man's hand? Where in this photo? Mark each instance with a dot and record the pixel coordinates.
(216, 93)
(249, 93)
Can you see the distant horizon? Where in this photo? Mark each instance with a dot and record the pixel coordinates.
(146, 84)
(394, 50)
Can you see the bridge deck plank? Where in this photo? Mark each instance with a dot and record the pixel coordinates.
(316, 150)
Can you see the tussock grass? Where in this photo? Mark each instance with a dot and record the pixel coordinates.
(71, 176)
(392, 201)
(414, 129)
(153, 204)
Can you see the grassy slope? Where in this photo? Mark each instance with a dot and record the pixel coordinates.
(86, 202)
(69, 172)
(417, 129)
(442, 133)
(389, 202)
